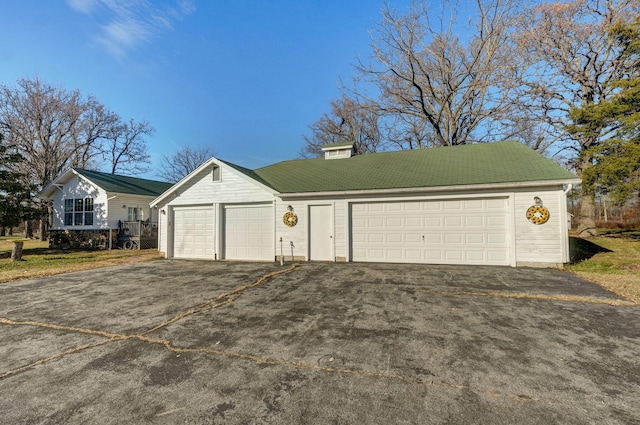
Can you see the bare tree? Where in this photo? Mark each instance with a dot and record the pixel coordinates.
(572, 64)
(53, 128)
(125, 147)
(47, 124)
(436, 86)
(348, 122)
(182, 162)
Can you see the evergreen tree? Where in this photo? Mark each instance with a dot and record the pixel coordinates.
(616, 169)
(15, 195)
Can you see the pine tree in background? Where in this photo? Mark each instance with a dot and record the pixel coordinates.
(616, 169)
(15, 194)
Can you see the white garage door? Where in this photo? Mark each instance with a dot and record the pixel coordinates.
(469, 231)
(248, 232)
(193, 234)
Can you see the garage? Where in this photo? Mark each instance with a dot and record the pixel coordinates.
(194, 235)
(248, 232)
(469, 204)
(453, 231)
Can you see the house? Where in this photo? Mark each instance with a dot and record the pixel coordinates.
(88, 206)
(495, 203)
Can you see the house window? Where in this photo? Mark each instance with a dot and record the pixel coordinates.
(78, 212)
(133, 214)
(216, 174)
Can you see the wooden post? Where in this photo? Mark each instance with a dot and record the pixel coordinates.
(16, 254)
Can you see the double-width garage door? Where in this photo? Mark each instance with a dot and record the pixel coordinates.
(460, 231)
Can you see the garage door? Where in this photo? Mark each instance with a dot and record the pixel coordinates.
(248, 232)
(469, 231)
(193, 234)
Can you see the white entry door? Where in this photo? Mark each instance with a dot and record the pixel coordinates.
(193, 232)
(320, 233)
(452, 231)
(248, 232)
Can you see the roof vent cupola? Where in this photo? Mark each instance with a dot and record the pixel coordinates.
(339, 150)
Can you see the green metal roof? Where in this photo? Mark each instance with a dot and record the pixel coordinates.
(124, 184)
(338, 145)
(499, 162)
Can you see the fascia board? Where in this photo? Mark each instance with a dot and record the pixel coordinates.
(437, 189)
(60, 179)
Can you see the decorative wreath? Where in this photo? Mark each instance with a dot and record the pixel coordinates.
(290, 219)
(538, 214)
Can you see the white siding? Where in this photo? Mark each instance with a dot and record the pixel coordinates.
(80, 188)
(341, 225)
(296, 234)
(119, 208)
(540, 243)
(233, 187)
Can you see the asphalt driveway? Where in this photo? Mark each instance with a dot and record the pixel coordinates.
(191, 342)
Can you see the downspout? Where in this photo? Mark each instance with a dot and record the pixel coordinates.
(569, 187)
(565, 224)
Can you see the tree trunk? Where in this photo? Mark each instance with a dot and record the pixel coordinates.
(586, 219)
(28, 229)
(587, 215)
(3, 231)
(16, 254)
(44, 229)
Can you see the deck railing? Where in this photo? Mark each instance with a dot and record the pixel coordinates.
(138, 234)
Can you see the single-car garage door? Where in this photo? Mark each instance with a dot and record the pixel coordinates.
(248, 232)
(193, 234)
(460, 231)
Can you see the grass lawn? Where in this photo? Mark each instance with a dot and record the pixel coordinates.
(611, 260)
(39, 260)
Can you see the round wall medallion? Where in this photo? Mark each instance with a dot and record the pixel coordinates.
(290, 219)
(538, 214)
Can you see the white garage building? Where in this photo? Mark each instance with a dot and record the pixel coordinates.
(484, 204)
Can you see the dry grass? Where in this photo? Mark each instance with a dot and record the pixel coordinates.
(611, 261)
(39, 260)
(627, 286)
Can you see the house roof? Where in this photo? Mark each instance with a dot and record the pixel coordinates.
(125, 184)
(110, 183)
(499, 162)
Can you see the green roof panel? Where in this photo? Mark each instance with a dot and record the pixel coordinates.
(486, 163)
(125, 184)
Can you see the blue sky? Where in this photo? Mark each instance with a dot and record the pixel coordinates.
(245, 77)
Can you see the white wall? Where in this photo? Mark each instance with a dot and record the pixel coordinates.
(76, 188)
(541, 243)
